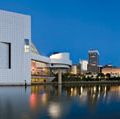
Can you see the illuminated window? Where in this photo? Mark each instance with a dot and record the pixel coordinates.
(40, 68)
(27, 46)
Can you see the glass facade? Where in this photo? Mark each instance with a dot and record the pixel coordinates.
(40, 69)
(33, 49)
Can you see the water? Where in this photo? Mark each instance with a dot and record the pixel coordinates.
(60, 102)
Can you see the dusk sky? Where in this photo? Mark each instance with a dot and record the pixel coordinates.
(74, 26)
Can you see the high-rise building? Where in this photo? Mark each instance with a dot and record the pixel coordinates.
(83, 66)
(93, 61)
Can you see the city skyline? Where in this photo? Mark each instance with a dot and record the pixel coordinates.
(75, 27)
(60, 59)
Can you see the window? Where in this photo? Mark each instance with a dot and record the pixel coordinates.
(26, 46)
(5, 55)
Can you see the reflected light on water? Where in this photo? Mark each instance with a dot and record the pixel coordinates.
(83, 97)
(81, 89)
(54, 110)
(44, 98)
(71, 94)
(75, 92)
(38, 97)
(71, 89)
(93, 96)
(98, 95)
(94, 89)
(33, 102)
(99, 88)
(105, 88)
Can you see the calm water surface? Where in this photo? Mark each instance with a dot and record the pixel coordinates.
(60, 102)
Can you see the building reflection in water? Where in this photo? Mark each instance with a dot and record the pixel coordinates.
(56, 100)
(39, 95)
(90, 93)
(42, 96)
(59, 90)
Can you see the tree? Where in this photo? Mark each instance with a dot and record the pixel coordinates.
(108, 75)
(101, 75)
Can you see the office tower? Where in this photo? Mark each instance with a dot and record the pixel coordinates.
(83, 66)
(93, 61)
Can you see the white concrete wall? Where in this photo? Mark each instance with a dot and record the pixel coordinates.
(14, 28)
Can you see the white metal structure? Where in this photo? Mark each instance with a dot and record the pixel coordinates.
(60, 60)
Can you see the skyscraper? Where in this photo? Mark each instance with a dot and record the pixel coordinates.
(93, 61)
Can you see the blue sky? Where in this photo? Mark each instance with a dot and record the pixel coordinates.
(74, 26)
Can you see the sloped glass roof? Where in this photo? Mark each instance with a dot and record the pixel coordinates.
(34, 49)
